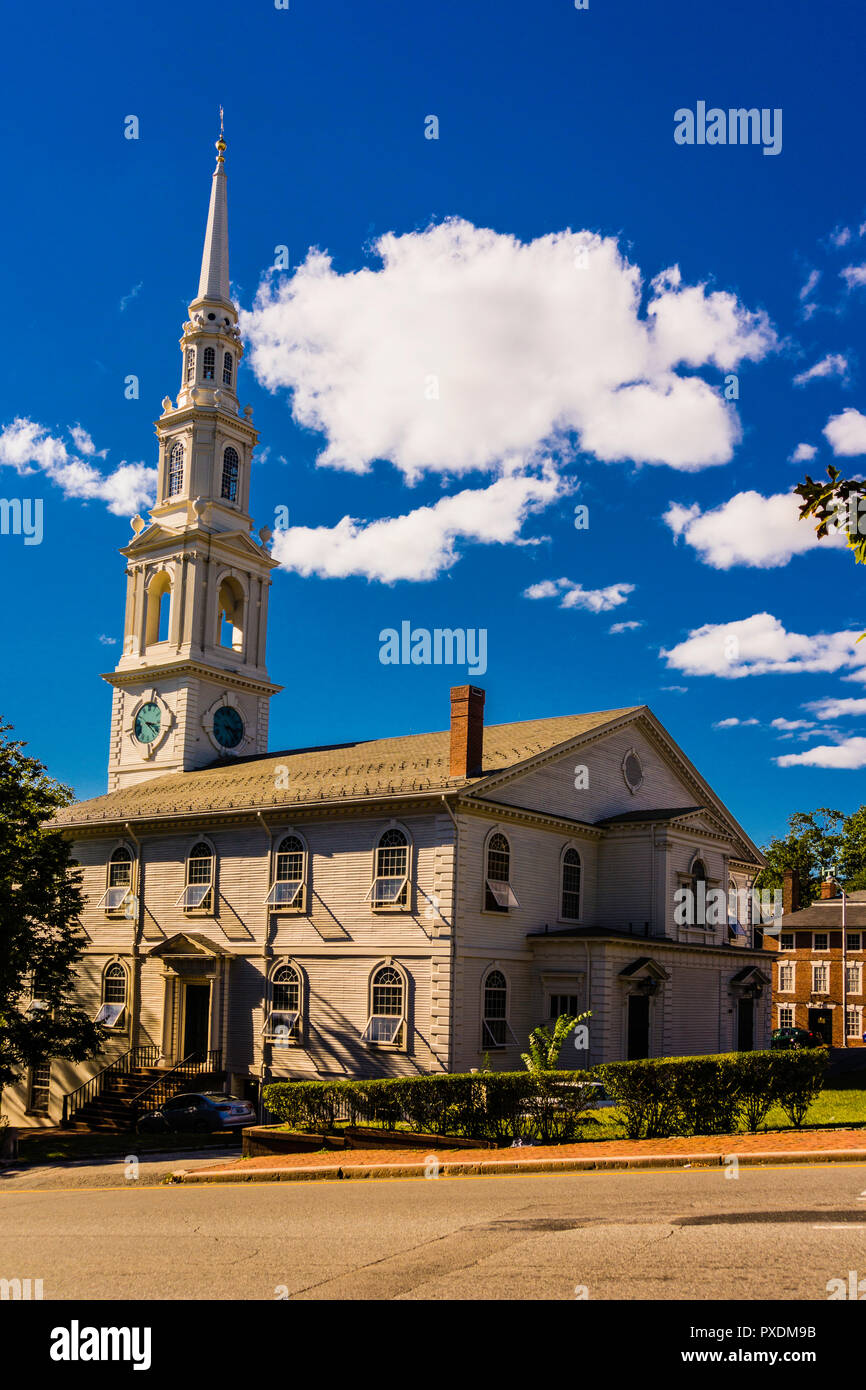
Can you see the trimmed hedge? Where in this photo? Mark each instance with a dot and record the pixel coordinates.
(662, 1096)
(657, 1097)
(480, 1105)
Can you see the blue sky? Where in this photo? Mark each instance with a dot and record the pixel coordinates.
(555, 389)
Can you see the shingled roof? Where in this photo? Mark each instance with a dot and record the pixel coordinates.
(367, 770)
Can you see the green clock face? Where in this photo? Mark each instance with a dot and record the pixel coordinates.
(228, 727)
(147, 722)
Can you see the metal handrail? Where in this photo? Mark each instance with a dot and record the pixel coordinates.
(122, 1065)
(196, 1064)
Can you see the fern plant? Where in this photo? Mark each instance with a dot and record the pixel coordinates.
(545, 1046)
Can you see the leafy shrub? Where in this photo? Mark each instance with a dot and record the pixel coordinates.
(759, 1086)
(645, 1094)
(799, 1080)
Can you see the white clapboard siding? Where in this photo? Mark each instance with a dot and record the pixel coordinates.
(696, 1005)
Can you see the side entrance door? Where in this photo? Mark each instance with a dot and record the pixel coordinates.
(196, 1018)
(745, 1025)
(638, 1026)
(821, 1022)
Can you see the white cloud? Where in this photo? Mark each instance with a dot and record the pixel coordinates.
(854, 276)
(835, 709)
(788, 726)
(813, 277)
(107, 641)
(840, 236)
(748, 529)
(849, 754)
(834, 364)
(846, 433)
(132, 294)
(803, 453)
(520, 345)
(421, 544)
(676, 689)
(573, 595)
(29, 448)
(736, 723)
(624, 627)
(759, 645)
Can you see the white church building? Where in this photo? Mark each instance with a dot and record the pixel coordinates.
(391, 907)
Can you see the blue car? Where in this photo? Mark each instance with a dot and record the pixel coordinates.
(199, 1112)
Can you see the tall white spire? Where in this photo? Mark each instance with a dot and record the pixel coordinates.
(214, 281)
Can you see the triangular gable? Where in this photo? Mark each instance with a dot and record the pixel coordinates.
(187, 944)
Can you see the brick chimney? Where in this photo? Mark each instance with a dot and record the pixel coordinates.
(828, 888)
(790, 891)
(467, 730)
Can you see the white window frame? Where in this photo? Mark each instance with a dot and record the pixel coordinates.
(397, 1042)
(787, 965)
(855, 936)
(399, 882)
(562, 866)
(793, 945)
(857, 1011)
(501, 890)
(816, 949)
(785, 1009)
(31, 1087)
(296, 903)
(824, 966)
(281, 1018)
(112, 1013)
(205, 904)
(118, 898)
(855, 969)
(488, 1042)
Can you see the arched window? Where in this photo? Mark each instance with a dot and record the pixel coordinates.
(118, 893)
(230, 607)
(228, 364)
(281, 1024)
(175, 469)
(390, 886)
(198, 893)
(387, 1008)
(498, 894)
(190, 364)
(113, 997)
(698, 886)
(158, 609)
(494, 1023)
(287, 890)
(570, 907)
(230, 474)
(208, 364)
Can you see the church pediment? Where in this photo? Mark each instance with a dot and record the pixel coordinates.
(187, 944)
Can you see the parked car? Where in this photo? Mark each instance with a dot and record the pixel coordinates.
(198, 1111)
(795, 1037)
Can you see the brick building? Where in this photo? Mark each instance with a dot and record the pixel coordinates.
(817, 984)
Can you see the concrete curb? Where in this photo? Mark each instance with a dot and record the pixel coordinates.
(494, 1167)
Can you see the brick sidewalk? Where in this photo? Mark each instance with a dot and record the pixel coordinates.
(782, 1146)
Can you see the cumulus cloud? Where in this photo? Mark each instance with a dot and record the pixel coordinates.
(469, 350)
(30, 448)
(734, 723)
(846, 433)
(840, 236)
(572, 595)
(834, 364)
(624, 627)
(854, 276)
(850, 754)
(804, 453)
(789, 726)
(759, 645)
(829, 708)
(748, 529)
(421, 544)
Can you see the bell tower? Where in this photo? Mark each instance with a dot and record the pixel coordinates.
(191, 685)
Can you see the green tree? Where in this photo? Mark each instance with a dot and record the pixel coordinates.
(545, 1046)
(40, 937)
(818, 843)
(835, 505)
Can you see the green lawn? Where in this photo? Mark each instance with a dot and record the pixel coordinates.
(843, 1107)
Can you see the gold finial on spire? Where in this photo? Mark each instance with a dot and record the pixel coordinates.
(221, 144)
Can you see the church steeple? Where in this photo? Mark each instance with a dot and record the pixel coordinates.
(192, 683)
(214, 280)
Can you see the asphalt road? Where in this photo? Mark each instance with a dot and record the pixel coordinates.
(777, 1233)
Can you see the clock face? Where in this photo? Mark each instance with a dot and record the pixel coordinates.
(228, 727)
(147, 722)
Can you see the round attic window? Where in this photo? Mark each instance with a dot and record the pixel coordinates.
(632, 770)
